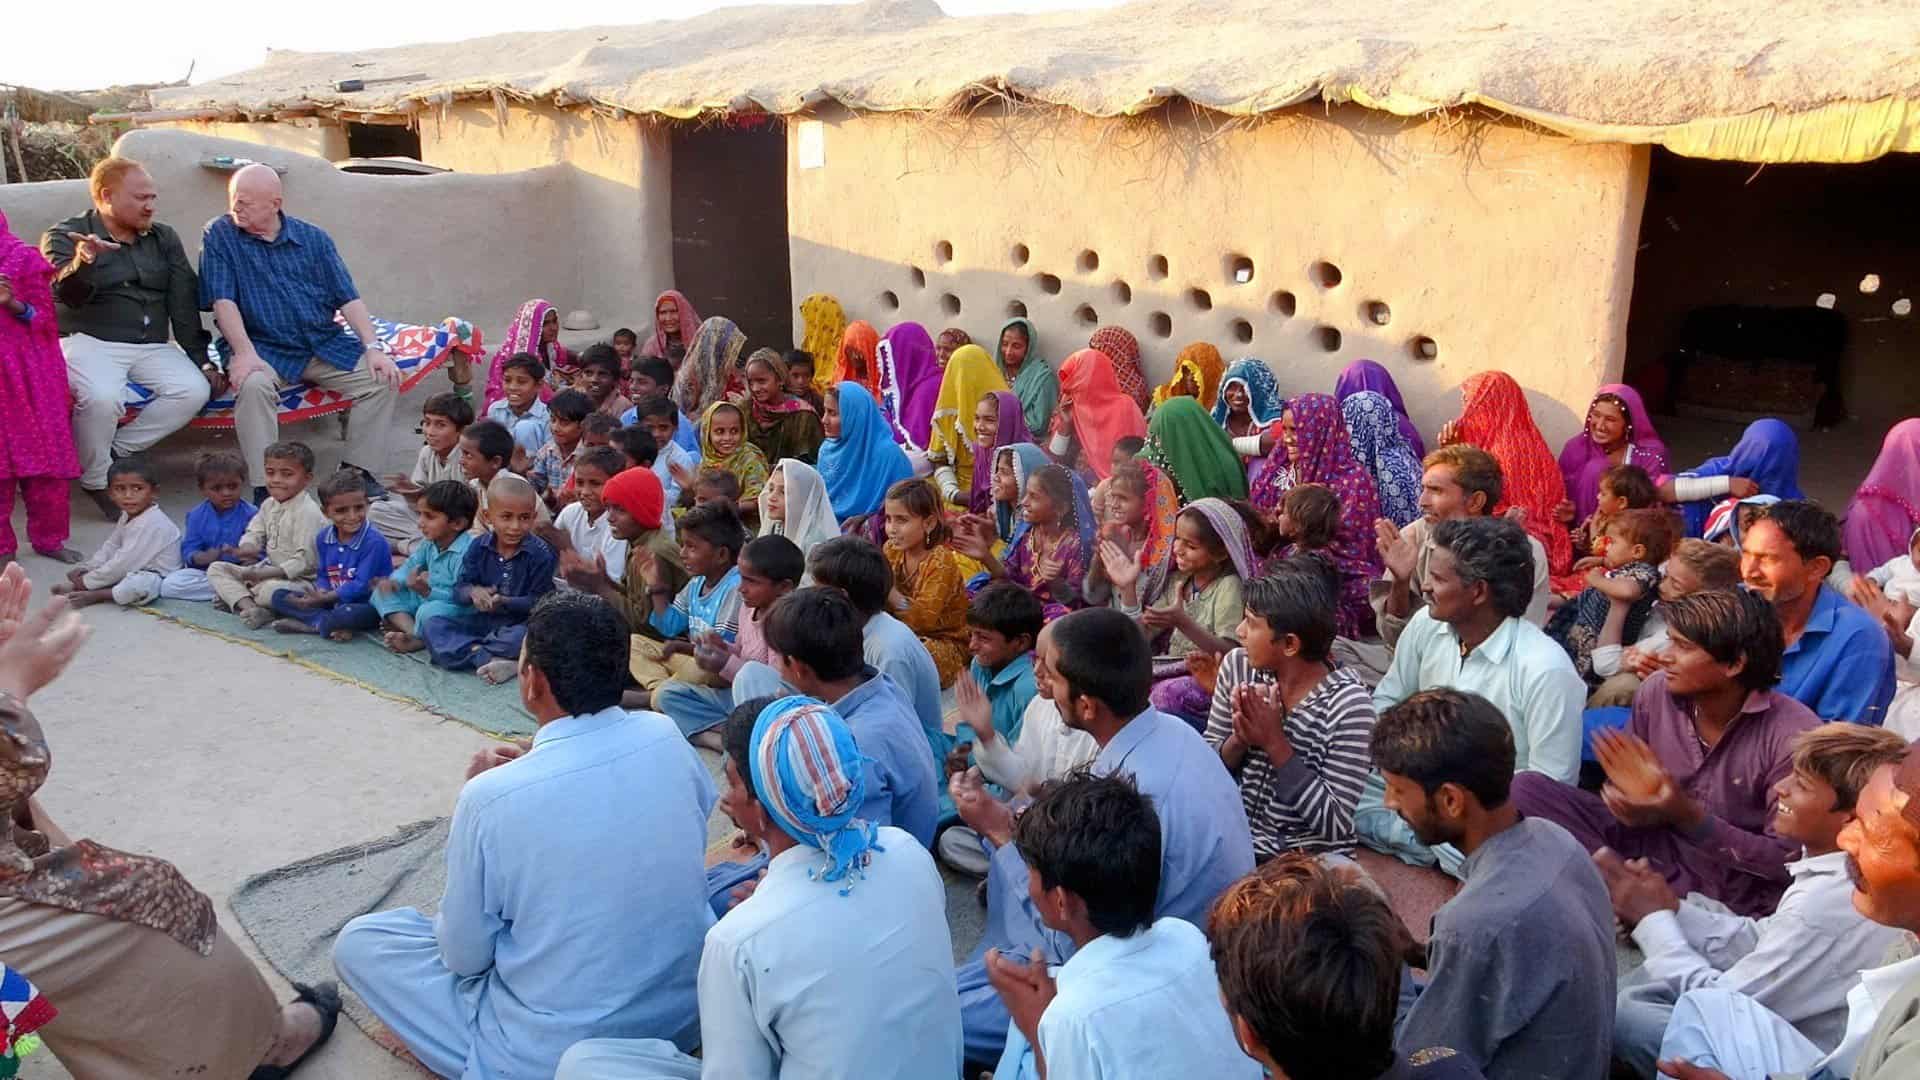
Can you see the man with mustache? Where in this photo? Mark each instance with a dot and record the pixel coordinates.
(1732, 1038)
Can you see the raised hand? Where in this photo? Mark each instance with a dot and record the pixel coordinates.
(1259, 719)
(40, 648)
(1741, 487)
(711, 652)
(1121, 567)
(15, 590)
(1025, 988)
(973, 536)
(1399, 553)
(973, 708)
(87, 247)
(1563, 512)
(1635, 888)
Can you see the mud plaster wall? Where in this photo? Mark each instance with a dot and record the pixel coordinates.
(1504, 248)
(419, 248)
(304, 136)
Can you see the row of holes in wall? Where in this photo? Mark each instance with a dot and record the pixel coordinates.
(1238, 269)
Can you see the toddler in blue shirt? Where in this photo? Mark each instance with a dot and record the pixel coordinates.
(213, 528)
(352, 557)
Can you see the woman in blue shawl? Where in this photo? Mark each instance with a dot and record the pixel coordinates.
(1380, 445)
(1364, 375)
(1767, 459)
(859, 459)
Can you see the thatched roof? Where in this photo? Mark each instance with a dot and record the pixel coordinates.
(1758, 80)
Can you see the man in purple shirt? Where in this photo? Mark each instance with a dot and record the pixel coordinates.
(1690, 781)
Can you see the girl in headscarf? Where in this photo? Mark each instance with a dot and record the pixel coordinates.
(1378, 444)
(1094, 413)
(673, 316)
(37, 454)
(997, 422)
(1196, 374)
(1202, 608)
(1248, 406)
(1618, 432)
(947, 342)
(909, 383)
(535, 329)
(1028, 373)
(1184, 442)
(711, 370)
(1013, 464)
(969, 379)
(1137, 532)
(724, 445)
(1367, 375)
(1314, 447)
(1051, 542)
(794, 504)
(1766, 461)
(1494, 416)
(825, 325)
(1886, 507)
(1123, 349)
(857, 359)
(928, 579)
(859, 460)
(781, 425)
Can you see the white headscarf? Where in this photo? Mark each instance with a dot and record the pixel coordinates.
(810, 517)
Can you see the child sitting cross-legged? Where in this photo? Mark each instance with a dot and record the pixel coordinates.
(352, 557)
(770, 568)
(549, 468)
(443, 418)
(582, 525)
(929, 589)
(1637, 542)
(140, 552)
(1003, 623)
(280, 537)
(710, 538)
(422, 587)
(214, 527)
(503, 573)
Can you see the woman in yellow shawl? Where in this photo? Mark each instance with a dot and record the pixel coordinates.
(971, 375)
(1196, 374)
(825, 324)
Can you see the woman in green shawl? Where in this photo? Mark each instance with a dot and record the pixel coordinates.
(1032, 378)
(1183, 439)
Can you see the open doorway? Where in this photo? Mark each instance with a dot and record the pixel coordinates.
(382, 141)
(1783, 290)
(730, 225)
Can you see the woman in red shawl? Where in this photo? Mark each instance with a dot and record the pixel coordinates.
(1093, 412)
(1494, 417)
(673, 322)
(1123, 349)
(1315, 448)
(36, 453)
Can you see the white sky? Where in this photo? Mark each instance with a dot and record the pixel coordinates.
(51, 46)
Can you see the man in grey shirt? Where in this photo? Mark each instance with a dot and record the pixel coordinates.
(1521, 962)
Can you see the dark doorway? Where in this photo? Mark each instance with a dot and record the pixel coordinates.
(382, 140)
(730, 226)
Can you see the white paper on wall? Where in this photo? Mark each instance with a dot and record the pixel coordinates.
(813, 144)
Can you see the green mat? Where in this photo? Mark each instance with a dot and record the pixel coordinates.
(364, 662)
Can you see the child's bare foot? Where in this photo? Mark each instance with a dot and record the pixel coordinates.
(341, 636)
(256, 616)
(289, 626)
(402, 642)
(62, 554)
(60, 589)
(499, 671)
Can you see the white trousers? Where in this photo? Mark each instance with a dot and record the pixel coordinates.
(626, 1059)
(99, 372)
(1731, 1032)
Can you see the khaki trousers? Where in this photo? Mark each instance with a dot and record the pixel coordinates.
(256, 415)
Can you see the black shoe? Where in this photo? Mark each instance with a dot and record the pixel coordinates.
(325, 998)
(105, 502)
(260, 496)
(375, 489)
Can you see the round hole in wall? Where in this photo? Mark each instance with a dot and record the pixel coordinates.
(1243, 331)
(1283, 304)
(1049, 284)
(1201, 299)
(1088, 261)
(1122, 293)
(943, 253)
(1903, 307)
(1160, 324)
(918, 275)
(1239, 269)
(1020, 254)
(1870, 284)
(1086, 316)
(1016, 309)
(890, 300)
(1157, 267)
(1328, 337)
(1326, 275)
(1825, 300)
(1377, 312)
(950, 303)
(1423, 348)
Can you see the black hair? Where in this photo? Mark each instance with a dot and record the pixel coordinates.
(1314, 512)
(579, 641)
(1098, 838)
(918, 498)
(1445, 736)
(637, 443)
(525, 362)
(598, 423)
(491, 439)
(1103, 655)
(1813, 531)
(796, 357)
(139, 465)
(660, 408)
(607, 459)
(737, 737)
(1007, 610)
(1474, 472)
(1294, 599)
(625, 332)
(1493, 550)
(601, 355)
(212, 463)
(342, 481)
(718, 523)
(454, 498)
(723, 482)
(1057, 482)
(1631, 482)
(297, 452)
(776, 557)
(821, 628)
(457, 410)
(1731, 624)
(570, 405)
(854, 566)
(653, 367)
(1209, 537)
(1130, 444)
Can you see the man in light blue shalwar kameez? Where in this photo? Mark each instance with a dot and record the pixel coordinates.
(575, 904)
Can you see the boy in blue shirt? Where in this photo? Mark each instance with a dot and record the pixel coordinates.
(422, 587)
(710, 539)
(352, 557)
(213, 528)
(503, 574)
(1003, 622)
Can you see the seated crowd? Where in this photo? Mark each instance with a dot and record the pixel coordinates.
(1154, 664)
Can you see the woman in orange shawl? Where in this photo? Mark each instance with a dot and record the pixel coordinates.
(858, 361)
(1494, 417)
(1094, 411)
(1196, 374)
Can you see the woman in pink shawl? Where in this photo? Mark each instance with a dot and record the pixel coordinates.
(1618, 432)
(1886, 507)
(909, 383)
(673, 314)
(36, 453)
(535, 329)
(1315, 448)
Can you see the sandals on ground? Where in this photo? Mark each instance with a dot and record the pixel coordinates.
(325, 998)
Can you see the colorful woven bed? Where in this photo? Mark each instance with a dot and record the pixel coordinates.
(418, 350)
